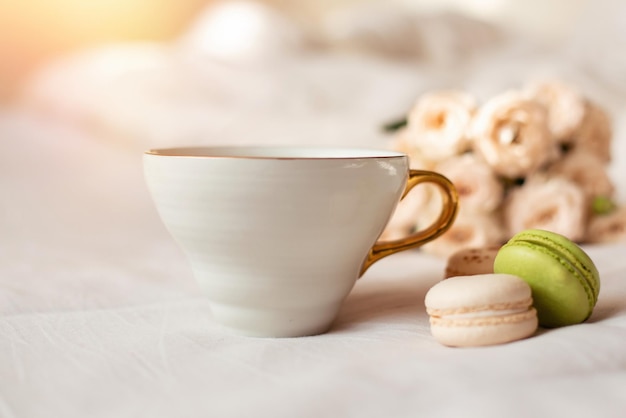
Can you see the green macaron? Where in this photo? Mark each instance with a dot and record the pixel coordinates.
(564, 281)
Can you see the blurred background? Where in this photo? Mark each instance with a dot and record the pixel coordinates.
(158, 72)
(90, 85)
(32, 32)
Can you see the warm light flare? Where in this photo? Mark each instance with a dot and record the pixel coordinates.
(33, 31)
(229, 30)
(242, 30)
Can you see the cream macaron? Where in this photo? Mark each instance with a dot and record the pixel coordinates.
(483, 309)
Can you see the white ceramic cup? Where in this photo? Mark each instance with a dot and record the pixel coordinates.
(276, 236)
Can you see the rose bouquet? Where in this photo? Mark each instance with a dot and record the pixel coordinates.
(535, 157)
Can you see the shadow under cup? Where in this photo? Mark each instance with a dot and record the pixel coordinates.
(277, 236)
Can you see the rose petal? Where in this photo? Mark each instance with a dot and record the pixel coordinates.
(608, 228)
(565, 105)
(438, 124)
(510, 132)
(469, 230)
(586, 170)
(478, 187)
(554, 204)
(595, 133)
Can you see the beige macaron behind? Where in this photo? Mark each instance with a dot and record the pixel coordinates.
(479, 310)
(470, 261)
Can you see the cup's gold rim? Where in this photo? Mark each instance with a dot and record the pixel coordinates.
(275, 153)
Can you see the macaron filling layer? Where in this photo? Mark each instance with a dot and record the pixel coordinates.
(484, 318)
(485, 313)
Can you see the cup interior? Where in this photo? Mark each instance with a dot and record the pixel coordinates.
(274, 152)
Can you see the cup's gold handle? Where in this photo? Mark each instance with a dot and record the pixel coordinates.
(450, 206)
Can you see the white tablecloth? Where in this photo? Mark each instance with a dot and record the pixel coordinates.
(100, 317)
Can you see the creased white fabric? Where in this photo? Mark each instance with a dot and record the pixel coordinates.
(100, 317)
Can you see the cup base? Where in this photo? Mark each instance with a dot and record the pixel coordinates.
(274, 324)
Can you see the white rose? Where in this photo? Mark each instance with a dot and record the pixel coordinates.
(403, 143)
(510, 132)
(438, 124)
(469, 230)
(478, 187)
(565, 105)
(554, 204)
(608, 228)
(586, 170)
(595, 133)
(406, 216)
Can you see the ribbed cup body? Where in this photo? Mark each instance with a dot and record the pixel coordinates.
(275, 243)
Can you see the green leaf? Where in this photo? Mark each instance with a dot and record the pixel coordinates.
(395, 125)
(602, 205)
